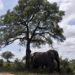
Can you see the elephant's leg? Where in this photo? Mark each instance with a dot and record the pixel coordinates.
(51, 66)
(58, 65)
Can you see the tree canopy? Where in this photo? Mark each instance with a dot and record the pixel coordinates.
(7, 55)
(33, 19)
(32, 22)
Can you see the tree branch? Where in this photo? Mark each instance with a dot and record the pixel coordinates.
(31, 18)
(34, 31)
(40, 33)
(11, 41)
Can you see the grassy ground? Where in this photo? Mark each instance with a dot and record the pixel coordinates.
(27, 73)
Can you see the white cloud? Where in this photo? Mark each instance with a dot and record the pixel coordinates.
(1, 5)
(67, 48)
(68, 7)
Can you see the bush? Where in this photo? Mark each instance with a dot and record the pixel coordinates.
(1, 64)
(6, 66)
(65, 67)
(19, 65)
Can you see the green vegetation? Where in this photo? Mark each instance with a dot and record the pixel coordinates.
(18, 68)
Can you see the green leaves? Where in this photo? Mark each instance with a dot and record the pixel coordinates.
(7, 55)
(34, 21)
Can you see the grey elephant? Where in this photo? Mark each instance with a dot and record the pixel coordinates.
(49, 60)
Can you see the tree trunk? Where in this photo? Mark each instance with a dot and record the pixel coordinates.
(7, 60)
(28, 51)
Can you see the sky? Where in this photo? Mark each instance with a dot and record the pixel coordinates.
(65, 49)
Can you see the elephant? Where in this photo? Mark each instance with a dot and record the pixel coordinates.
(55, 56)
(48, 59)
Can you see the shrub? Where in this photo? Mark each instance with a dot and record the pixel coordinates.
(65, 67)
(19, 65)
(1, 64)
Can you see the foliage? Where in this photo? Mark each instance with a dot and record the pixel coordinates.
(7, 55)
(38, 25)
(66, 66)
(18, 65)
(1, 64)
(72, 65)
(6, 66)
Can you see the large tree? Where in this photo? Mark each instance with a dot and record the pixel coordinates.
(32, 22)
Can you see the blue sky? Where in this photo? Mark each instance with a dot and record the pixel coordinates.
(6, 5)
(65, 49)
(72, 22)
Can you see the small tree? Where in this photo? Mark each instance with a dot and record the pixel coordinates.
(7, 55)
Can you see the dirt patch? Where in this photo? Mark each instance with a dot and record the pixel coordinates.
(5, 73)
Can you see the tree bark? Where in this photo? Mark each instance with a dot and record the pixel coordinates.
(28, 51)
